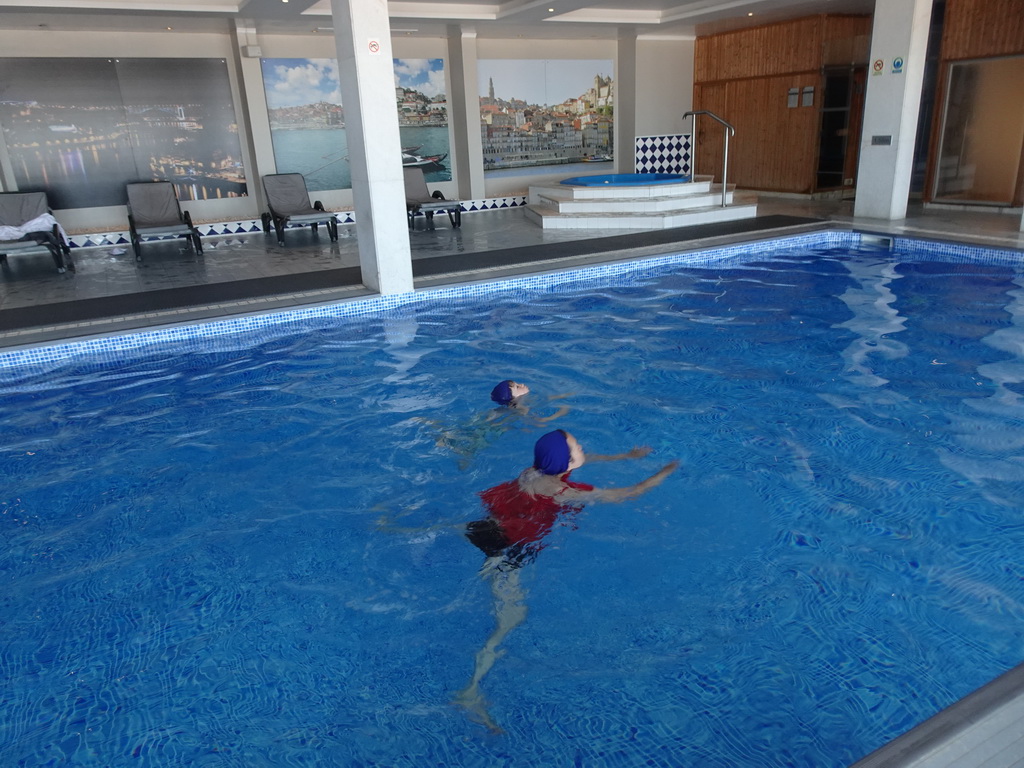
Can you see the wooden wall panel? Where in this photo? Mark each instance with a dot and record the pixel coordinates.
(847, 41)
(745, 76)
(975, 29)
(774, 49)
(775, 147)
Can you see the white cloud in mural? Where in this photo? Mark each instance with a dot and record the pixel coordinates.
(425, 75)
(294, 82)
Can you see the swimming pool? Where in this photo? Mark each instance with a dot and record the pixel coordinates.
(246, 549)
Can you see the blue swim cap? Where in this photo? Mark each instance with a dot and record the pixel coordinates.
(502, 393)
(551, 453)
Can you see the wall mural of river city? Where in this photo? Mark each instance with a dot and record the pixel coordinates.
(80, 129)
(546, 112)
(307, 119)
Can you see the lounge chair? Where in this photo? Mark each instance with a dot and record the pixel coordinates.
(288, 200)
(27, 223)
(418, 199)
(153, 211)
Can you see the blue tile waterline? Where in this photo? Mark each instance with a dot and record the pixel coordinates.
(111, 348)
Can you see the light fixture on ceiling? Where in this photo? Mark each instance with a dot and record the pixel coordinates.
(750, 14)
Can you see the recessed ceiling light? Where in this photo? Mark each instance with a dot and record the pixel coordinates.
(749, 14)
(551, 10)
(170, 29)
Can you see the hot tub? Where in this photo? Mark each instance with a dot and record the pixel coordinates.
(625, 180)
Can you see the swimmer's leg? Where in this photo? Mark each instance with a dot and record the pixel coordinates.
(510, 612)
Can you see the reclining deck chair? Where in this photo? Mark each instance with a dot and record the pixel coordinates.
(27, 223)
(419, 200)
(288, 200)
(153, 211)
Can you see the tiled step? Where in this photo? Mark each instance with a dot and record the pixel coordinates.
(549, 218)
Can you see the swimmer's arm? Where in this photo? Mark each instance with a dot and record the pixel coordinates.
(620, 494)
(561, 396)
(557, 414)
(637, 452)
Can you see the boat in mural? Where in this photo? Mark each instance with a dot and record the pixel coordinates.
(411, 160)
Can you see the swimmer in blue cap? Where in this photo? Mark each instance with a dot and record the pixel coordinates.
(520, 514)
(507, 391)
(466, 440)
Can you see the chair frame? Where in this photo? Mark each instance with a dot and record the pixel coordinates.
(314, 216)
(51, 239)
(183, 228)
(417, 202)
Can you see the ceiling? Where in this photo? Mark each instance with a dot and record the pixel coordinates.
(553, 19)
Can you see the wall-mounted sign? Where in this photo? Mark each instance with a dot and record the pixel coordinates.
(897, 65)
(877, 67)
(374, 47)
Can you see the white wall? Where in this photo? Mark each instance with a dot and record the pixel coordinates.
(664, 78)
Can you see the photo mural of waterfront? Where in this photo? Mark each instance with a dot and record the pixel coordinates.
(81, 129)
(546, 112)
(307, 119)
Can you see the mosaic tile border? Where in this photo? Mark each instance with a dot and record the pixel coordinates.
(214, 335)
(955, 252)
(253, 226)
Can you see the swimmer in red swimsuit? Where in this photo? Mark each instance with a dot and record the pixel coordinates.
(520, 514)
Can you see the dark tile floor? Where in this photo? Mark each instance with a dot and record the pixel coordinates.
(124, 293)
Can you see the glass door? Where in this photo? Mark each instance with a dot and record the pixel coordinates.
(982, 134)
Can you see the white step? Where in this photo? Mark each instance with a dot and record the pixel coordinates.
(632, 204)
(569, 192)
(549, 218)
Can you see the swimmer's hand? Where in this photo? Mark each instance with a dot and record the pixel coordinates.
(654, 480)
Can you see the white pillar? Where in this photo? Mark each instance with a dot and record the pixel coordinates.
(625, 101)
(362, 35)
(464, 109)
(899, 42)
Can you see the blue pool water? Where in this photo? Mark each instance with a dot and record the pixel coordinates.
(625, 180)
(247, 551)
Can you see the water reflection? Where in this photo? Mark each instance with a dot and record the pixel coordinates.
(874, 320)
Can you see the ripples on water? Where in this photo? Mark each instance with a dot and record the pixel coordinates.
(253, 556)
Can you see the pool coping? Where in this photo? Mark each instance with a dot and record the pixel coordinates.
(961, 729)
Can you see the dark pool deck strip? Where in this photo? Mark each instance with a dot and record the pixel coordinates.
(165, 299)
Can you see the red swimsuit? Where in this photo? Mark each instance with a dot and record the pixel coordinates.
(523, 517)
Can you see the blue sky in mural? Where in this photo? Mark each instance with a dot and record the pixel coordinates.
(543, 82)
(294, 82)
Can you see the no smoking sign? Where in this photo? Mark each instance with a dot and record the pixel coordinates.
(373, 47)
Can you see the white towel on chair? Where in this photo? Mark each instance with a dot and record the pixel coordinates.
(42, 223)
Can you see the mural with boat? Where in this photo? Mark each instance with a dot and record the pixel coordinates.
(307, 119)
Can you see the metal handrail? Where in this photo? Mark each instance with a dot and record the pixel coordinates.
(729, 131)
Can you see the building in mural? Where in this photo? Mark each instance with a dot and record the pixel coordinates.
(524, 125)
(307, 119)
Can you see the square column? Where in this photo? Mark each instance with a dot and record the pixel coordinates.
(362, 36)
(464, 109)
(899, 42)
